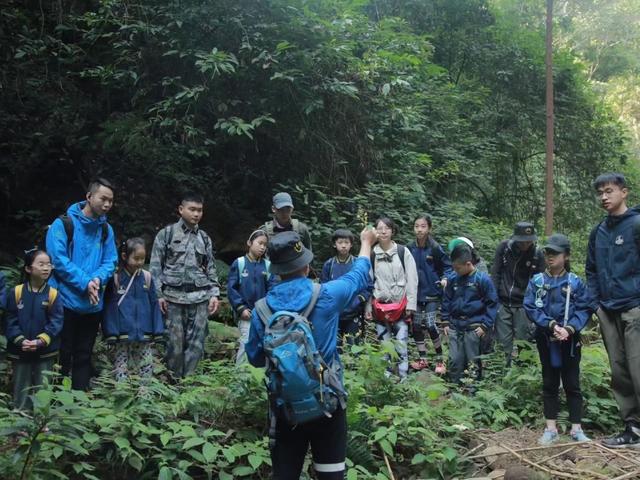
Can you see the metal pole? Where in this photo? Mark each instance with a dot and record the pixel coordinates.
(549, 151)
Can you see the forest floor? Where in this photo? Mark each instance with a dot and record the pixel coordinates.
(514, 454)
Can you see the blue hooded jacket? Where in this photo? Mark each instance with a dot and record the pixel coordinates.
(138, 317)
(333, 269)
(470, 301)
(89, 258)
(31, 319)
(295, 294)
(432, 263)
(552, 292)
(256, 282)
(613, 256)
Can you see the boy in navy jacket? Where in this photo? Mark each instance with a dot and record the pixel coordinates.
(469, 305)
(34, 323)
(350, 324)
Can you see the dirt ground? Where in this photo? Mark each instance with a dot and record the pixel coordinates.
(514, 454)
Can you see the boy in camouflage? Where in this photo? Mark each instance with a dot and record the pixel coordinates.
(184, 271)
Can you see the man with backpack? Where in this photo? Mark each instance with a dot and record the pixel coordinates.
(83, 252)
(184, 271)
(613, 278)
(517, 260)
(298, 345)
(282, 209)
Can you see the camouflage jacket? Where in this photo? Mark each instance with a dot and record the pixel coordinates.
(272, 228)
(183, 265)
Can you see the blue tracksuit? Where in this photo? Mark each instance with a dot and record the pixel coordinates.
(138, 317)
(613, 256)
(470, 301)
(295, 294)
(31, 319)
(256, 282)
(432, 263)
(89, 258)
(552, 292)
(334, 269)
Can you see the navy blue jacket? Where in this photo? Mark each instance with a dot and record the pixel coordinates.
(552, 291)
(333, 269)
(613, 260)
(432, 264)
(31, 319)
(3, 292)
(294, 294)
(470, 301)
(256, 282)
(138, 318)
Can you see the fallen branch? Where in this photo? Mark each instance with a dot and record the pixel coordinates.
(546, 459)
(537, 466)
(386, 460)
(617, 454)
(635, 473)
(474, 449)
(528, 449)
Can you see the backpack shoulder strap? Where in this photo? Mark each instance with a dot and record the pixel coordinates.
(314, 299)
(268, 227)
(18, 293)
(67, 224)
(267, 265)
(401, 252)
(264, 312)
(105, 231)
(53, 294)
(295, 224)
(538, 280)
(241, 264)
(147, 279)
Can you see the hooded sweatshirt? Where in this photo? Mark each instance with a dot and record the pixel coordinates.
(613, 256)
(77, 262)
(294, 294)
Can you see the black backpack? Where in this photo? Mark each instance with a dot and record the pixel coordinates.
(400, 255)
(67, 224)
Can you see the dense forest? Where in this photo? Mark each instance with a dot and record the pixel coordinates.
(358, 108)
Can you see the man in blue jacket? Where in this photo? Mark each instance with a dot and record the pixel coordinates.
(83, 252)
(327, 436)
(613, 279)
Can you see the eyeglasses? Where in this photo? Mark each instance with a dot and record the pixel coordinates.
(383, 229)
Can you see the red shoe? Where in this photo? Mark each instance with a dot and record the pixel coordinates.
(441, 369)
(420, 364)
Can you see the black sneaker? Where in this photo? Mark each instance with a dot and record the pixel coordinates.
(629, 438)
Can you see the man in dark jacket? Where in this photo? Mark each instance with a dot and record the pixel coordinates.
(517, 260)
(613, 279)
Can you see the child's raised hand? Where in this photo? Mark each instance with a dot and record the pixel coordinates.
(246, 314)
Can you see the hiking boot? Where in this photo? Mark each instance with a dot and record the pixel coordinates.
(579, 436)
(549, 437)
(441, 369)
(420, 364)
(629, 438)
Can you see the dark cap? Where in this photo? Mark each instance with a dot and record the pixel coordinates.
(287, 253)
(524, 232)
(342, 233)
(558, 243)
(281, 200)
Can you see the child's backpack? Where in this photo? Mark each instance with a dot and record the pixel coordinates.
(400, 251)
(53, 294)
(242, 263)
(300, 384)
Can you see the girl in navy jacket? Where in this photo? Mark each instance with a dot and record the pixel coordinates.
(249, 280)
(558, 303)
(132, 318)
(434, 268)
(34, 322)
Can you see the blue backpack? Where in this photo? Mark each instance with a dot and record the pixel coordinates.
(301, 386)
